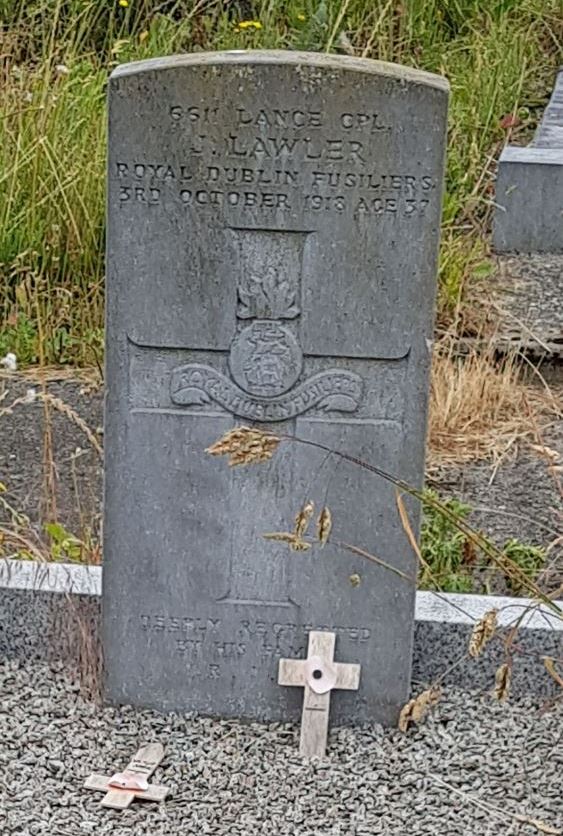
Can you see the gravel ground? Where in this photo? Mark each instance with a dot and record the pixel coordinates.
(527, 296)
(230, 778)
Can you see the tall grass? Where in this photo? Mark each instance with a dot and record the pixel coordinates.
(499, 55)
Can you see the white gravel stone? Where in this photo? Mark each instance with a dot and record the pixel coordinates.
(248, 780)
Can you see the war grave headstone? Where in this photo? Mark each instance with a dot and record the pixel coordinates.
(273, 231)
(529, 189)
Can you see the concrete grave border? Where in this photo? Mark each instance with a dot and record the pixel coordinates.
(42, 603)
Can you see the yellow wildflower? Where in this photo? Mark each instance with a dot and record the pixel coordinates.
(248, 24)
(124, 3)
(301, 17)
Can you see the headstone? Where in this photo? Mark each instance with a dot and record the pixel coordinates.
(529, 190)
(272, 242)
(318, 675)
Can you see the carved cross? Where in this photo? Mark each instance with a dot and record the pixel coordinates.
(122, 788)
(318, 674)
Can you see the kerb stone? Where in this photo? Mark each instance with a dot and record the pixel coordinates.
(273, 228)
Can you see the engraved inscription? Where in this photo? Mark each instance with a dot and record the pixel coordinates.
(198, 385)
(295, 119)
(283, 148)
(247, 636)
(359, 193)
(284, 160)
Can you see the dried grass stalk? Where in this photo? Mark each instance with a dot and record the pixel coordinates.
(7, 410)
(324, 526)
(480, 406)
(503, 677)
(303, 518)
(538, 824)
(503, 814)
(31, 396)
(294, 541)
(417, 709)
(482, 633)
(66, 410)
(244, 445)
(377, 560)
(407, 527)
(549, 664)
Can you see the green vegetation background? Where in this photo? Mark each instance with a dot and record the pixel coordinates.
(499, 55)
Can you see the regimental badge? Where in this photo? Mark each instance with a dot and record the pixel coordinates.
(267, 381)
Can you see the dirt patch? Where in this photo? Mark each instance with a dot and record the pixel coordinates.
(24, 452)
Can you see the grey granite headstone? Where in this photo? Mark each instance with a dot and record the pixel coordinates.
(529, 189)
(272, 242)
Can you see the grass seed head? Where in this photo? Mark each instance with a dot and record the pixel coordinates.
(293, 540)
(482, 633)
(549, 664)
(244, 445)
(503, 677)
(416, 709)
(324, 526)
(303, 518)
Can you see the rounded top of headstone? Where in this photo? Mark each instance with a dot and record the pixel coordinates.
(287, 58)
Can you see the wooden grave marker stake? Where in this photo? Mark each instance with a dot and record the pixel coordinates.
(122, 788)
(319, 674)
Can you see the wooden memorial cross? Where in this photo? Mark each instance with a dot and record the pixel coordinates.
(123, 787)
(318, 674)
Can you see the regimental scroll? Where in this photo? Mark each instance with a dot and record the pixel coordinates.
(198, 385)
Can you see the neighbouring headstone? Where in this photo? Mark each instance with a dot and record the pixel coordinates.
(272, 242)
(529, 190)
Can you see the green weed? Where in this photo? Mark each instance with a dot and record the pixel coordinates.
(445, 549)
(451, 563)
(63, 546)
(530, 559)
(499, 55)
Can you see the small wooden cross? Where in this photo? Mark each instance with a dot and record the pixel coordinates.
(123, 787)
(318, 674)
